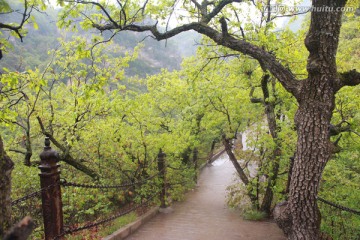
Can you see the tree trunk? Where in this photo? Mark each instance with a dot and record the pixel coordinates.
(311, 156)
(269, 107)
(6, 166)
(316, 104)
(211, 151)
(241, 173)
(269, 193)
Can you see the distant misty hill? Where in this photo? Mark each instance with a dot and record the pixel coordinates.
(33, 51)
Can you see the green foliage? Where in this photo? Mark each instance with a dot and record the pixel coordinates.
(341, 176)
(118, 223)
(106, 229)
(116, 132)
(254, 215)
(115, 125)
(4, 6)
(236, 197)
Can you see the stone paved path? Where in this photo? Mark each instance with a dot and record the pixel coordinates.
(204, 215)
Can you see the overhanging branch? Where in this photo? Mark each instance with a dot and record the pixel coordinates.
(266, 59)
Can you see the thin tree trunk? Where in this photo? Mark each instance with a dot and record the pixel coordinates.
(291, 164)
(6, 166)
(211, 151)
(240, 171)
(269, 193)
(273, 128)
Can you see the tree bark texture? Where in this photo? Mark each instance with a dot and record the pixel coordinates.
(316, 104)
(6, 166)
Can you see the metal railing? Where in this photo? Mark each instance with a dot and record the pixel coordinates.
(51, 197)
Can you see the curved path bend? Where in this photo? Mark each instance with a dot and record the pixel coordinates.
(204, 215)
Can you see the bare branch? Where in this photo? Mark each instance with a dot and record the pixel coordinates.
(337, 129)
(196, 4)
(241, 29)
(257, 100)
(17, 151)
(356, 133)
(25, 16)
(66, 157)
(350, 78)
(217, 9)
(100, 6)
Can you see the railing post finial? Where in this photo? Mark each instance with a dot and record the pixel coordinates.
(51, 192)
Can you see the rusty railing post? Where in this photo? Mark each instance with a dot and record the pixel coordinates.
(51, 195)
(162, 176)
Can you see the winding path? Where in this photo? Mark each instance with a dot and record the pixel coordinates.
(204, 215)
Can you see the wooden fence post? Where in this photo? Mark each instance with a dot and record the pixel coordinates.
(162, 175)
(51, 194)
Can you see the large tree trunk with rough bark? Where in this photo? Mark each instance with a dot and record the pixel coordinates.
(312, 154)
(6, 166)
(316, 104)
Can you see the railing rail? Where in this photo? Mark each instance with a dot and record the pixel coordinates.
(51, 197)
(105, 220)
(338, 206)
(50, 193)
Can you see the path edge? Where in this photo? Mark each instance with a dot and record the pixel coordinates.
(130, 228)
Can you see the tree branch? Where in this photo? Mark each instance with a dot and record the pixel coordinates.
(17, 151)
(196, 4)
(224, 28)
(66, 157)
(16, 28)
(266, 59)
(350, 78)
(337, 129)
(253, 99)
(100, 6)
(206, 19)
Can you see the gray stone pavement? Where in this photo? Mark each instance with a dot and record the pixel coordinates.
(204, 215)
